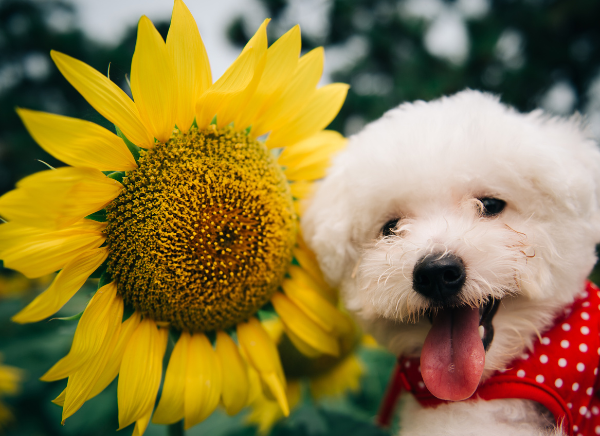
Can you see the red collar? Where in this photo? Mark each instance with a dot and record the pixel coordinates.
(561, 372)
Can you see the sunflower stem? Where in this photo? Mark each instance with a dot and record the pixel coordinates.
(176, 429)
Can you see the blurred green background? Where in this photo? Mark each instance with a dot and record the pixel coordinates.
(531, 52)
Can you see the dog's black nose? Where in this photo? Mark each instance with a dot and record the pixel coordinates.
(439, 278)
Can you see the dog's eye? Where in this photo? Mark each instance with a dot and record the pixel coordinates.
(492, 206)
(389, 227)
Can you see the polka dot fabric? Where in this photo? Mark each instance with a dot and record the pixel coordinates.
(561, 372)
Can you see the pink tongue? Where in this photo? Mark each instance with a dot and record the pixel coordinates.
(453, 356)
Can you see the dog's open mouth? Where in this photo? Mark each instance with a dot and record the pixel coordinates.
(453, 355)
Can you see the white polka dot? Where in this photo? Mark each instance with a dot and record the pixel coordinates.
(520, 373)
(585, 330)
(595, 371)
(569, 405)
(575, 387)
(558, 383)
(583, 410)
(421, 385)
(589, 391)
(566, 327)
(585, 294)
(585, 316)
(539, 378)
(575, 428)
(526, 356)
(580, 367)
(564, 343)
(595, 410)
(562, 362)
(407, 364)
(545, 341)
(583, 348)
(586, 304)
(544, 358)
(597, 429)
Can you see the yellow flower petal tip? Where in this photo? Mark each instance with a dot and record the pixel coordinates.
(198, 229)
(277, 389)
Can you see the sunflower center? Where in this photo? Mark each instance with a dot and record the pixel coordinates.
(202, 232)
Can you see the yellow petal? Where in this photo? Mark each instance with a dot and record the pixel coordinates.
(265, 413)
(37, 252)
(114, 362)
(60, 400)
(236, 106)
(302, 346)
(204, 381)
(58, 198)
(95, 324)
(170, 408)
(140, 372)
(153, 81)
(106, 97)
(343, 377)
(310, 266)
(142, 423)
(232, 83)
(65, 285)
(295, 95)
(78, 143)
(263, 356)
(281, 62)
(307, 297)
(235, 382)
(82, 381)
(309, 159)
(303, 327)
(320, 110)
(277, 389)
(190, 61)
(302, 189)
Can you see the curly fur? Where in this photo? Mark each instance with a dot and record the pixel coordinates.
(428, 164)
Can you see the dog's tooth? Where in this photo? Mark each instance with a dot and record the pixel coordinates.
(481, 331)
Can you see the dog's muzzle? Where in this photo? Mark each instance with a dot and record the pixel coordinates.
(439, 278)
(453, 354)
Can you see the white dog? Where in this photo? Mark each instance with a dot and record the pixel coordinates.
(460, 233)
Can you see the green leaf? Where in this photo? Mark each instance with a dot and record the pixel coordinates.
(99, 216)
(127, 312)
(267, 312)
(134, 149)
(117, 175)
(69, 318)
(214, 120)
(105, 279)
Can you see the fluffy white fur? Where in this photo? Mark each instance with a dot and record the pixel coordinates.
(427, 163)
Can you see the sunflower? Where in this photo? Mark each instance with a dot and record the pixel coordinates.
(313, 379)
(10, 380)
(189, 216)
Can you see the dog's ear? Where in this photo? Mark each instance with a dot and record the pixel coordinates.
(327, 227)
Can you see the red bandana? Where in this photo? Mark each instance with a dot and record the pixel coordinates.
(560, 373)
